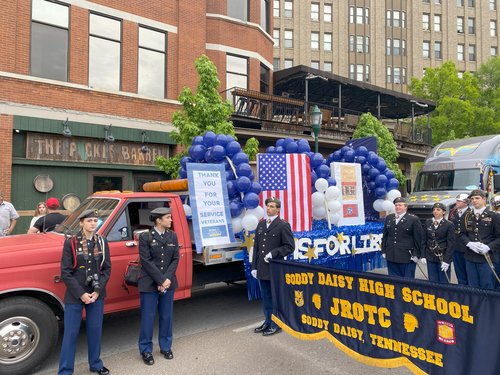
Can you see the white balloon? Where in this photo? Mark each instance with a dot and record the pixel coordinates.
(249, 222)
(393, 194)
(318, 199)
(377, 205)
(332, 193)
(334, 218)
(387, 205)
(237, 227)
(187, 210)
(321, 185)
(257, 211)
(334, 206)
(319, 212)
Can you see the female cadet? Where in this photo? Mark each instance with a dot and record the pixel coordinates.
(85, 269)
(159, 254)
(439, 246)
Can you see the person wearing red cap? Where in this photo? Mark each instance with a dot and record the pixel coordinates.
(48, 222)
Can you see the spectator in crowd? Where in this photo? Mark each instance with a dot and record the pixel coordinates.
(273, 240)
(402, 241)
(457, 216)
(8, 216)
(481, 235)
(40, 211)
(48, 222)
(440, 235)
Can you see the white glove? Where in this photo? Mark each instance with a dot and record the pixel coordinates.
(254, 273)
(414, 259)
(267, 257)
(423, 260)
(444, 266)
(383, 255)
(483, 249)
(475, 246)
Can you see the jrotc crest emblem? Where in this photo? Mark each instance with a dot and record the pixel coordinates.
(446, 332)
(299, 298)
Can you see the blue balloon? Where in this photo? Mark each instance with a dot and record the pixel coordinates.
(209, 138)
(389, 174)
(373, 173)
(197, 152)
(229, 175)
(381, 166)
(380, 192)
(288, 141)
(393, 183)
(303, 146)
(198, 140)
(243, 184)
(329, 159)
(251, 176)
(232, 148)
(361, 159)
(243, 169)
(316, 160)
(231, 189)
(380, 180)
(256, 188)
(279, 150)
(371, 185)
(250, 200)
(221, 140)
(235, 208)
(337, 155)
(349, 156)
(226, 164)
(314, 177)
(185, 160)
(291, 148)
(280, 142)
(323, 171)
(182, 173)
(362, 151)
(344, 149)
(239, 158)
(208, 156)
(271, 150)
(372, 158)
(218, 153)
(331, 181)
(229, 138)
(365, 168)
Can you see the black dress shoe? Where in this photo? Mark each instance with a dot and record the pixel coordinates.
(103, 371)
(167, 354)
(261, 328)
(147, 358)
(271, 331)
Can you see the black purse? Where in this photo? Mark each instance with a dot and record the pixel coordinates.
(132, 273)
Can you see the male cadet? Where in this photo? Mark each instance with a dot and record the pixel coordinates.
(273, 240)
(48, 222)
(481, 235)
(457, 216)
(402, 241)
(495, 206)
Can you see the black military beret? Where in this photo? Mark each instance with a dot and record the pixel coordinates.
(477, 193)
(399, 200)
(159, 212)
(89, 213)
(273, 200)
(439, 205)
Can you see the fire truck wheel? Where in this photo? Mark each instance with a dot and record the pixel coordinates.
(28, 332)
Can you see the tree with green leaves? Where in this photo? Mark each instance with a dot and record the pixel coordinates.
(370, 126)
(464, 107)
(204, 110)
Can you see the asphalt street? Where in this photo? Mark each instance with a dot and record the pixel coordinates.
(213, 334)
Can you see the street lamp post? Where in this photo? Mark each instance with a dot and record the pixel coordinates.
(316, 116)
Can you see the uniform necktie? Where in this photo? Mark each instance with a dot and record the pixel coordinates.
(436, 223)
(268, 221)
(477, 216)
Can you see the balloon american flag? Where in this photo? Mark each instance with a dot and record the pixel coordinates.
(288, 178)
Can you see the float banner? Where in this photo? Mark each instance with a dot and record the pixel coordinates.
(390, 321)
(348, 177)
(209, 204)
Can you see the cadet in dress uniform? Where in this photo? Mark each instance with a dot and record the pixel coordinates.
(457, 216)
(440, 245)
(402, 241)
(159, 254)
(495, 205)
(85, 269)
(481, 235)
(273, 240)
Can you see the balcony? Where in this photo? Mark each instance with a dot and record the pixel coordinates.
(275, 117)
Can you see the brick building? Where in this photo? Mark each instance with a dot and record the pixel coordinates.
(84, 85)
